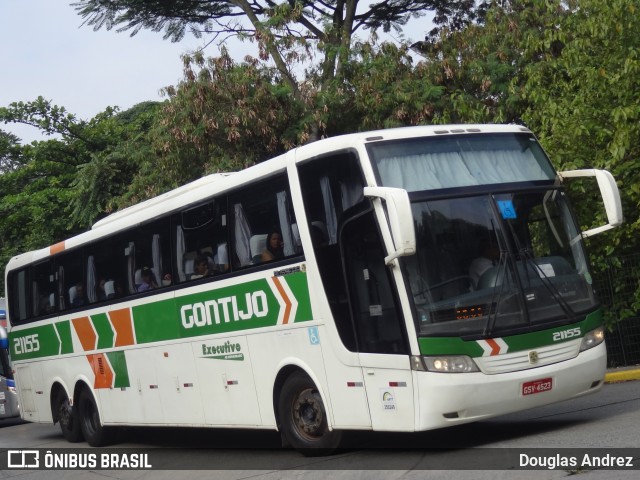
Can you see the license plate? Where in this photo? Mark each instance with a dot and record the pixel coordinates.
(537, 386)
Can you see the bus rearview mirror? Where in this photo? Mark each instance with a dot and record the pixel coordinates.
(610, 196)
(400, 220)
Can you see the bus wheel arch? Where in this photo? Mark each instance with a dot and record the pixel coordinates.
(301, 414)
(65, 413)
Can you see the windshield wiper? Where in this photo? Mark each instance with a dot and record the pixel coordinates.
(500, 278)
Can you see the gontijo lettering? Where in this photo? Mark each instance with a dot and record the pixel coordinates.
(225, 309)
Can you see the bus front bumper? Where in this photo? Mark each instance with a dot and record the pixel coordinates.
(449, 399)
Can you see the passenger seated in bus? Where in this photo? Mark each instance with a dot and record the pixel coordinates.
(489, 256)
(274, 249)
(101, 293)
(200, 267)
(166, 280)
(148, 280)
(78, 300)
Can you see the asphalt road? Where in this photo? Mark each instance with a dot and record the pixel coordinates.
(597, 424)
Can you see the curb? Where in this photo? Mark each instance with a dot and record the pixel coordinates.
(622, 375)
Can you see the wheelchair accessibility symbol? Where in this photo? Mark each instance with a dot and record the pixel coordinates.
(314, 336)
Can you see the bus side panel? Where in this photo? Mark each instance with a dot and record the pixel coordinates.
(349, 404)
(140, 403)
(34, 403)
(271, 352)
(226, 381)
(160, 389)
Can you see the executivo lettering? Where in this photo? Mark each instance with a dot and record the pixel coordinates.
(225, 310)
(225, 351)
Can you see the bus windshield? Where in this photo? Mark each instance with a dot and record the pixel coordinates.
(498, 250)
(497, 263)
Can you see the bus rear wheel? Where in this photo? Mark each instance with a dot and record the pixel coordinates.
(94, 432)
(303, 418)
(67, 417)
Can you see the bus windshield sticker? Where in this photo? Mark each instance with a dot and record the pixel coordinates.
(507, 209)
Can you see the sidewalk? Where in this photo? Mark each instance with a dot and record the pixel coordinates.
(622, 374)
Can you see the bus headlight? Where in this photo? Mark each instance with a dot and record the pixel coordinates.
(450, 364)
(592, 339)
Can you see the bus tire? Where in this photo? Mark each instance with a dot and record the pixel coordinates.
(67, 417)
(303, 418)
(94, 432)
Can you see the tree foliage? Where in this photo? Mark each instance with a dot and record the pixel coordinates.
(287, 32)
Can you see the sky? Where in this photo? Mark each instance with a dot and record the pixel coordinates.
(45, 51)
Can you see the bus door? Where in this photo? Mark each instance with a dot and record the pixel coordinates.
(379, 326)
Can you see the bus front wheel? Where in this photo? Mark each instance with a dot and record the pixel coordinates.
(67, 417)
(94, 432)
(303, 418)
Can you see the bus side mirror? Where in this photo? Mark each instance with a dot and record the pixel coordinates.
(610, 197)
(400, 220)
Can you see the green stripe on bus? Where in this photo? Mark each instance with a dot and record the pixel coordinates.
(34, 342)
(64, 332)
(525, 341)
(103, 330)
(240, 307)
(118, 363)
(298, 284)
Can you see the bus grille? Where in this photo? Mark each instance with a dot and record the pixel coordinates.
(513, 362)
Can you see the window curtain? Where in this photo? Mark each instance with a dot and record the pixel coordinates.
(242, 235)
(180, 249)
(131, 265)
(331, 221)
(91, 280)
(156, 256)
(285, 224)
(459, 169)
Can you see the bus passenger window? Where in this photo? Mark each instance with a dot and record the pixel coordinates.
(201, 241)
(42, 289)
(264, 227)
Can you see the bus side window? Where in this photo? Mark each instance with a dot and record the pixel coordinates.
(19, 294)
(201, 241)
(263, 223)
(42, 289)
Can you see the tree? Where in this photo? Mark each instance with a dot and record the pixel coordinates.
(287, 32)
(224, 116)
(583, 102)
(9, 152)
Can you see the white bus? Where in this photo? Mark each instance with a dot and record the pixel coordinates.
(397, 280)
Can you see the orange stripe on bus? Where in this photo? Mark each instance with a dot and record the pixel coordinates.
(86, 333)
(57, 248)
(121, 321)
(101, 370)
(288, 305)
(495, 348)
